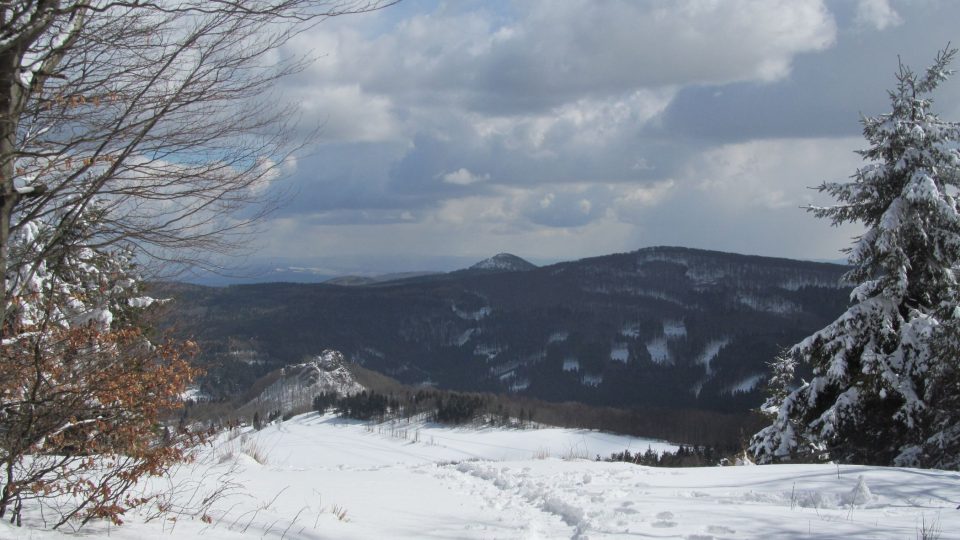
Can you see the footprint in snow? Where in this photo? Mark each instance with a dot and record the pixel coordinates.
(663, 520)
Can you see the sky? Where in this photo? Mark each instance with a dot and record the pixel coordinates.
(452, 131)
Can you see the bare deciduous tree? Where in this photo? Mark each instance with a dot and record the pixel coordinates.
(130, 130)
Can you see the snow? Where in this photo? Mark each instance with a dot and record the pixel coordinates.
(746, 385)
(504, 262)
(519, 385)
(591, 379)
(571, 364)
(299, 383)
(779, 306)
(674, 329)
(710, 351)
(630, 330)
(797, 283)
(247, 356)
(558, 336)
(195, 394)
(421, 480)
(463, 338)
(620, 352)
(490, 351)
(633, 291)
(141, 301)
(504, 369)
(658, 350)
(475, 315)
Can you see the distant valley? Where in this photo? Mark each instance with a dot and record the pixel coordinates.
(662, 327)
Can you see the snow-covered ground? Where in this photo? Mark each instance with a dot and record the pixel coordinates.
(322, 477)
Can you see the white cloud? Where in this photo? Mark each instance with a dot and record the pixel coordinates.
(473, 211)
(774, 173)
(551, 54)
(878, 14)
(269, 171)
(549, 129)
(632, 199)
(463, 177)
(718, 41)
(346, 113)
(642, 165)
(476, 219)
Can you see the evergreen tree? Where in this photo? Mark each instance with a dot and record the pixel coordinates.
(878, 369)
(942, 448)
(780, 384)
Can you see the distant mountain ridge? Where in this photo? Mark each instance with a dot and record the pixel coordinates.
(354, 281)
(504, 262)
(661, 326)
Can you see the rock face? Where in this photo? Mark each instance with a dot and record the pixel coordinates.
(297, 384)
(325, 373)
(503, 262)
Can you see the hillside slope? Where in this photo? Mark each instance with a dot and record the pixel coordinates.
(325, 478)
(660, 326)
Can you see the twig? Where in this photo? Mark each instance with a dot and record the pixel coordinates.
(295, 518)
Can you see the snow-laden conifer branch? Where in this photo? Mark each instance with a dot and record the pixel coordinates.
(882, 369)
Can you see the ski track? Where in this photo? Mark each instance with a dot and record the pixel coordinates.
(616, 500)
(535, 520)
(569, 497)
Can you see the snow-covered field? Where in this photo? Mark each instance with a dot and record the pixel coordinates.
(322, 477)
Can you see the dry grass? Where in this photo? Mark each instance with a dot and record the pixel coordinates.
(929, 531)
(340, 512)
(234, 446)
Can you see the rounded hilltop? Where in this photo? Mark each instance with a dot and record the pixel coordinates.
(504, 262)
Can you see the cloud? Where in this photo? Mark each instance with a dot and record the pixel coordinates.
(565, 206)
(749, 198)
(549, 54)
(825, 93)
(463, 177)
(561, 130)
(633, 200)
(877, 14)
(772, 174)
(345, 112)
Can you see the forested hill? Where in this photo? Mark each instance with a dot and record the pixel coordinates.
(661, 326)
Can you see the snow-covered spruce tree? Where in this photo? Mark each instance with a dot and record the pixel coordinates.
(82, 389)
(884, 374)
(781, 382)
(942, 447)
